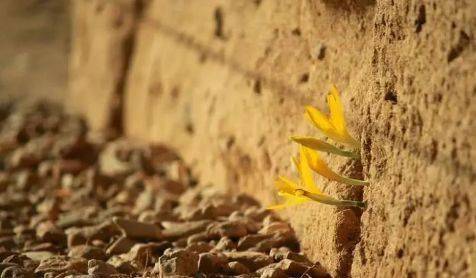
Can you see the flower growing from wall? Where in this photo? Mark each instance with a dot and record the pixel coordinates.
(334, 127)
(319, 166)
(295, 193)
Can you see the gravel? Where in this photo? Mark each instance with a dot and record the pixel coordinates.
(80, 204)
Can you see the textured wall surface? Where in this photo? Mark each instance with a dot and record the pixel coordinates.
(225, 82)
(102, 32)
(34, 39)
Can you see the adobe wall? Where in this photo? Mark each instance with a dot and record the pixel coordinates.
(225, 83)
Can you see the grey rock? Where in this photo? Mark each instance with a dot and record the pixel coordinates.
(178, 262)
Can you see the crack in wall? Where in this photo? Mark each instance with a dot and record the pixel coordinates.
(348, 230)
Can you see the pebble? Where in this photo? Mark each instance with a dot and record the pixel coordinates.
(212, 263)
(252, 260)
(87, 252)
(178, 262)
(120, 246)
(100, 268)
(137, 230)
(238, 268)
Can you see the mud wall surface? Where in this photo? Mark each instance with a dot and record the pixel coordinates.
(225, 82)
(34, 37)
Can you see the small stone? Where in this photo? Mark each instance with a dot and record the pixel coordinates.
(273, 273)
(47, 231)
(252, 260)
(244, 201)
(238, 268)
(225, 243)
(59, 264)
(200, 237)
(231, 229)
(75, 237)
(6, 265)
(178, 262)
(145, 201)
(39, 255)
(250, 241)
(7, 242)
(121, 265)
(276, 227)
(120, 246)
(175, 230)
(100, 268)
(293, 268)
(137, 230)
(282, 253)
(16, 272)
(199, 247)
(212, 263)
(109, 162)
(257, 213)
(286, 240)
(87, 252)
(145, 254)
(211, 211)
(104, 232)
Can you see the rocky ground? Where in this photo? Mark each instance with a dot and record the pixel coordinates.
(78, 204)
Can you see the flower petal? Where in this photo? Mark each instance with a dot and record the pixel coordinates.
(290, 200)
(285, 185)
(328, 200)
(305, 173)
(320, 167)
(336, 110)
(319, 119)
(319, 145)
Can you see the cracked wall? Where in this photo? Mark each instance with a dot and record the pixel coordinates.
(225, 82)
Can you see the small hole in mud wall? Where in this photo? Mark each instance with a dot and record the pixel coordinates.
(391, 96)
(421, 19)
(460, 46)
(189, 128)
(296, 32)
(304, 78)
(257, 87)
(218, 16)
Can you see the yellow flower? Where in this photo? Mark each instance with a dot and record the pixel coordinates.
(334, 125)
(319, 166)
(319, 145)
(297, 193)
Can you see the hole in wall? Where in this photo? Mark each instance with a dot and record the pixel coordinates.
(189, 128)
(421, 18)
(304, 78)
(391, 96)
(296, 32)
(460, 46)
(257, 87)
(219, 21)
